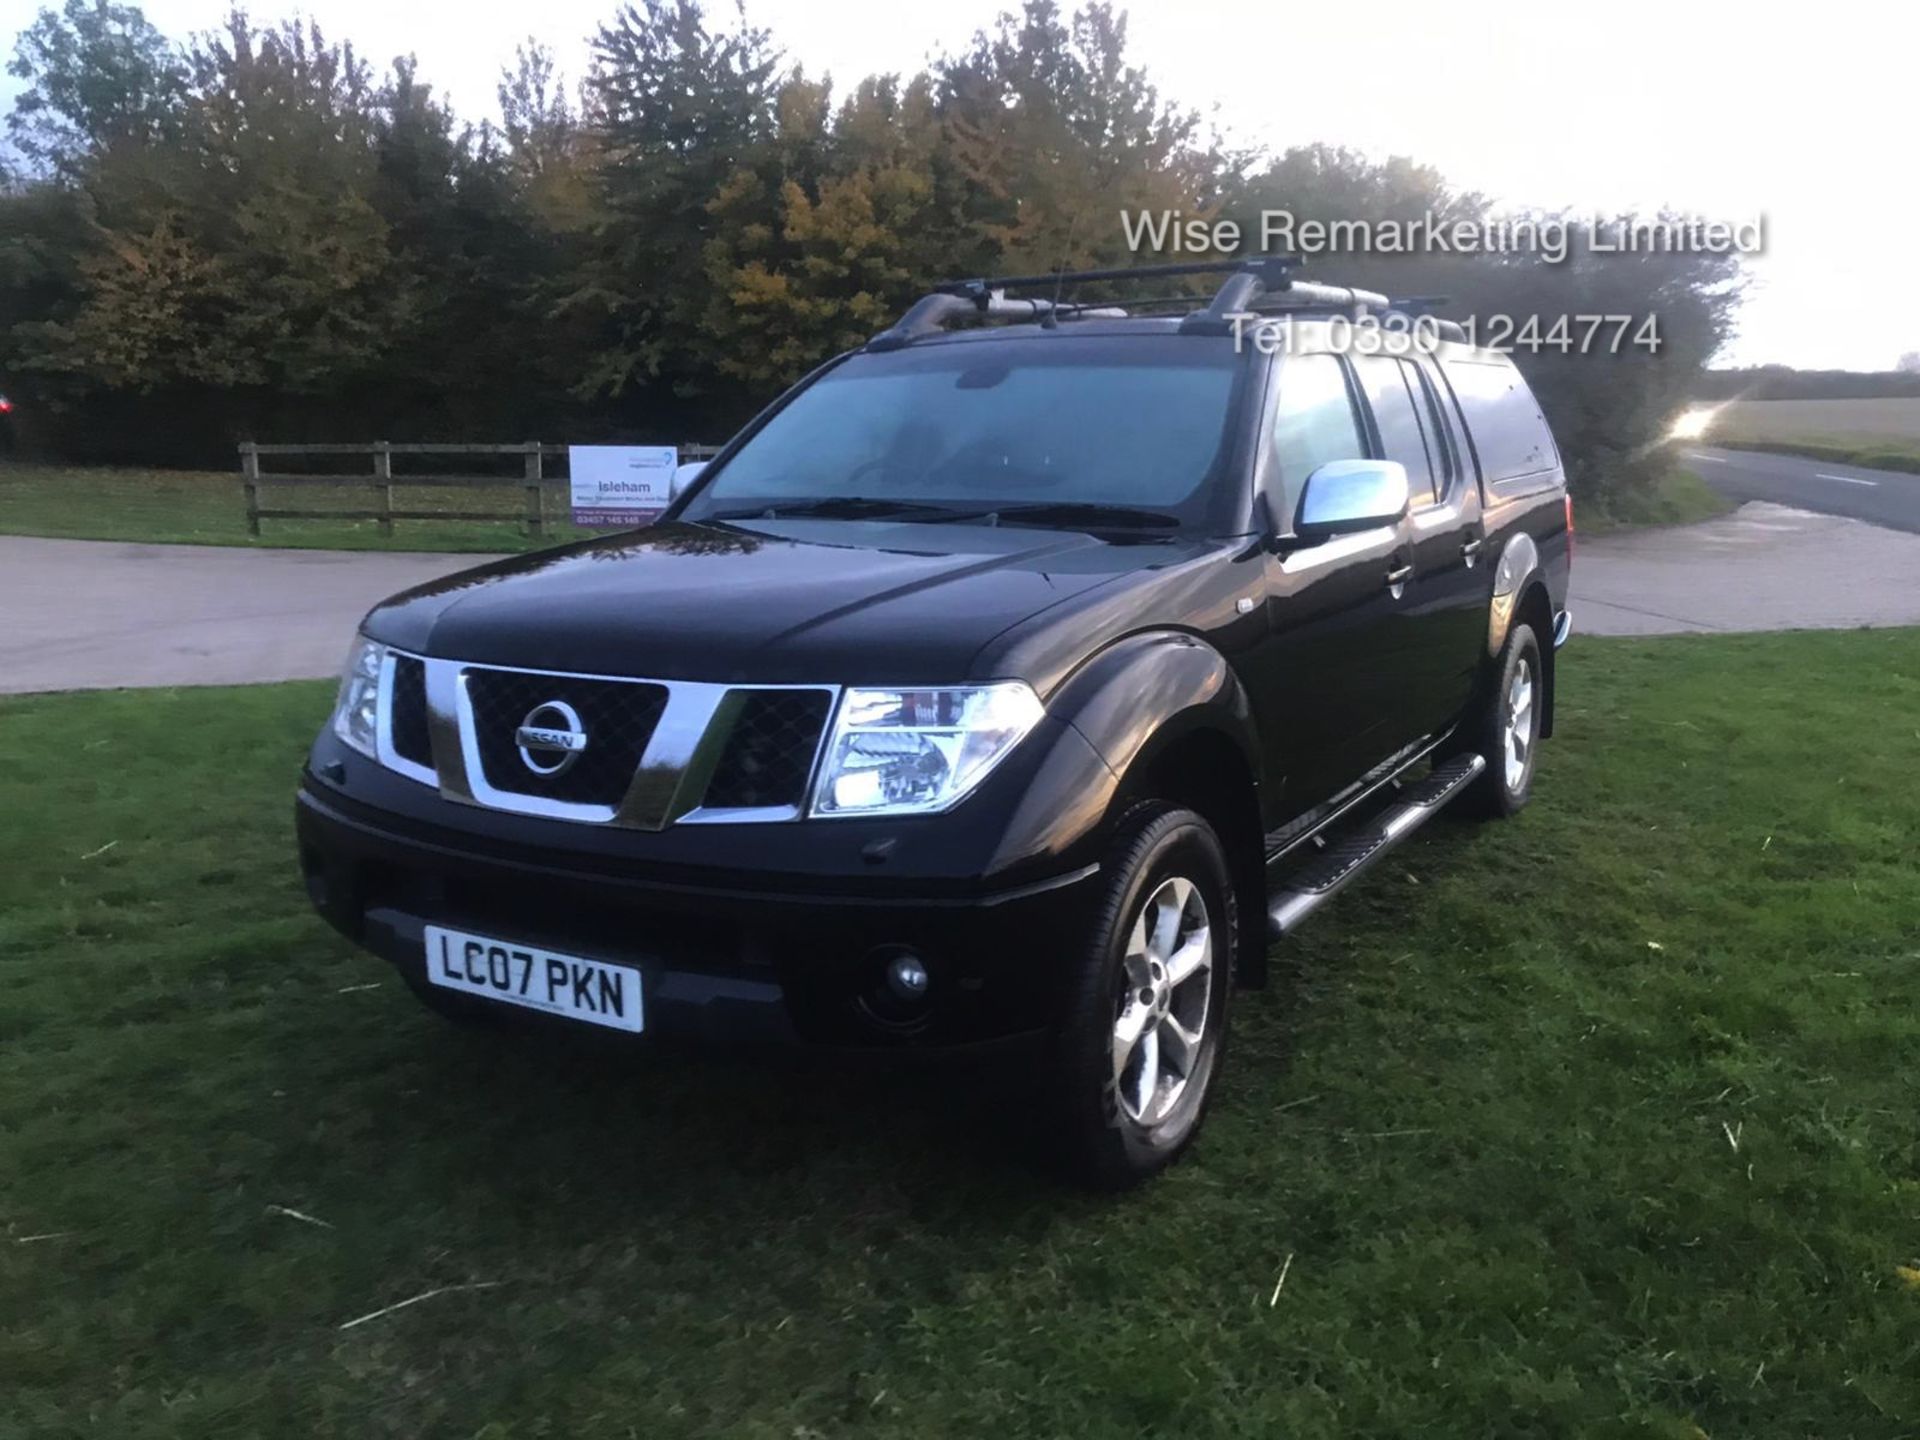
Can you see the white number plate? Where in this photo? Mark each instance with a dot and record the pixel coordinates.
(589, 990)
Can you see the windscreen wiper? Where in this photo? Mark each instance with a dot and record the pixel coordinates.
(833, 507)
(1088, 513)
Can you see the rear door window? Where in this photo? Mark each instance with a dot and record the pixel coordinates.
(1509, 433)
(1442, 439)
(1403, 436)
(1313, 422)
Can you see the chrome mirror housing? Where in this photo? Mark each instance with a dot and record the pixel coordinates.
(1343, 496)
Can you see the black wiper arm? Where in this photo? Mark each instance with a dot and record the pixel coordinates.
(833, 507)
(1077, 512)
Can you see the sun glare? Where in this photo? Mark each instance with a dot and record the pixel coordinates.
(1694, 423)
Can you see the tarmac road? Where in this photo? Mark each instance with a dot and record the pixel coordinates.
(1881, 497)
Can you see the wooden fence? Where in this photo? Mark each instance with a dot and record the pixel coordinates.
(531, 482)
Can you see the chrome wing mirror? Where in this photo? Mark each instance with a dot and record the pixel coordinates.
(1343, 496)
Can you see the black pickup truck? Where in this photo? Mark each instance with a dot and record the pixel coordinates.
(1001, 684)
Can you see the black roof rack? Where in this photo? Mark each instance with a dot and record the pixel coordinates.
(1416, 306)
(1272, 268)
(1262, 284)
(1249, 282)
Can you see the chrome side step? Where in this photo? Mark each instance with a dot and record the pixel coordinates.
(1349, 856)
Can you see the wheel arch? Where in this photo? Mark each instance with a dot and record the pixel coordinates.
(1520, 596)
(1170, 718)
(1205, 771)
(1536, 611)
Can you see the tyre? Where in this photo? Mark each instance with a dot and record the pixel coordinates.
(1506, 732)
(1146, 1020)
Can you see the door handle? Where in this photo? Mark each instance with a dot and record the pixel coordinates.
(1470, 550)
(1399, 576)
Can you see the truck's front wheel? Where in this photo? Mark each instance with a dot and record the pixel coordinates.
(1147, 1017)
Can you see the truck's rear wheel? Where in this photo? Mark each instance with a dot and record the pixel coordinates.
(1506, 732)
(1147, 1018)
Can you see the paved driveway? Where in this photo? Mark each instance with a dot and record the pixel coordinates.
(96, 614)
(87, 615)
(1764, 567)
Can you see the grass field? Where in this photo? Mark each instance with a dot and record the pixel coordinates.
(1884, 434)
(207, 508)
(197, 507)
(1599, 1123)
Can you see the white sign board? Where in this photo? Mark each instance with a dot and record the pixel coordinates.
(616, 485)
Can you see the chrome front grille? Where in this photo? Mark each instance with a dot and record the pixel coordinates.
(412, 740)
(768, 757)
(655, 752)
(618, 717)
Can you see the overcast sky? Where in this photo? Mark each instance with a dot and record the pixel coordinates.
(1807, 115)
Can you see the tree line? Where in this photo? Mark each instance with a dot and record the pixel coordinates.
(1778, 382)
(257, 233)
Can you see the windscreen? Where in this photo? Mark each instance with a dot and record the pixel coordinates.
(1112, 421)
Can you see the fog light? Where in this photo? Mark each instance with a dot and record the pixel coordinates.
(907, 977)
(895, 989)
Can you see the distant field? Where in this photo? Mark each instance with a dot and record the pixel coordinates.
(1883, 433)
(1858, 419)
(209, 508)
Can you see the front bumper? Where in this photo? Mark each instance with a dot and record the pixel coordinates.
(725, 956)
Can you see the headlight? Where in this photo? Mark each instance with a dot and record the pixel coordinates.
(903, 752)
(356, 713)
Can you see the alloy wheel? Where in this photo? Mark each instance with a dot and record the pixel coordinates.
(1166, 990)
(1519, 727)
